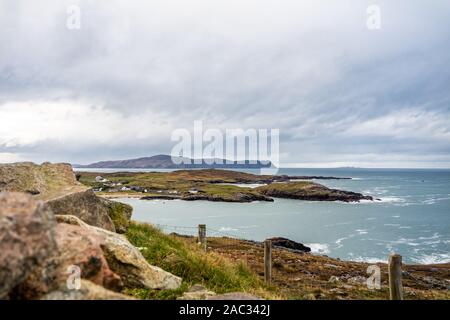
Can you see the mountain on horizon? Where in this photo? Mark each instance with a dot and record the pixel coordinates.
(163, 161)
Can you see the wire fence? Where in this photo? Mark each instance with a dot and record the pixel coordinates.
(229, 241)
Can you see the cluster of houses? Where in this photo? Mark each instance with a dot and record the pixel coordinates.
(110, 186)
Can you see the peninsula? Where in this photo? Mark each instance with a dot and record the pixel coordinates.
(213, 185)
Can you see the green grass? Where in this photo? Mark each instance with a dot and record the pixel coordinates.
(181, 181)
(190, 263)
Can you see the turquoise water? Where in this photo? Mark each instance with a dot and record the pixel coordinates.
(412, 218)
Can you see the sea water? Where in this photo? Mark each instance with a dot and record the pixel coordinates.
(412, 217)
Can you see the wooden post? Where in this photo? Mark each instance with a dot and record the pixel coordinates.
(395, 277)
(268, 261)
(202, 235)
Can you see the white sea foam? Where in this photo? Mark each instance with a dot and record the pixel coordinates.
(434, 236)
(362, 231)
(320, 248)
(367, 259)
(433, 258)
(393, 199)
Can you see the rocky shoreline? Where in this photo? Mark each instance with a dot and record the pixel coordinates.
(215, 185)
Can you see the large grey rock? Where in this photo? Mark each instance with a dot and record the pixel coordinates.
(85, 205)
(126, 260)
(87, 291)
(26, 238)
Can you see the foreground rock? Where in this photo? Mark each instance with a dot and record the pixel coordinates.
(289, 244)
(75, 248)
(310, 191)
(26, 238)
(57, 185)
(126, 260)
(87, 291)
(37, 254)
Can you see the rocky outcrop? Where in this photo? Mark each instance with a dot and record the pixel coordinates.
(86, 206)
(43, 181)
(87, 291)
(231, 197)
(234, 197)
(57, 185)
(27, 238)
(310, 191)
(38, 256)
(127, 261)
(289, 244)
(75, 248)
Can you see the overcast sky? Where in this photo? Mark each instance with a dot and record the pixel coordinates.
(340, 93)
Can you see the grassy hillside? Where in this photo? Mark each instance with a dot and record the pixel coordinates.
(187, 260)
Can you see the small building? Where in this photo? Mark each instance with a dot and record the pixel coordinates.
(193, 191)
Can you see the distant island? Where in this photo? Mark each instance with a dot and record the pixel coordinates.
(163, 161)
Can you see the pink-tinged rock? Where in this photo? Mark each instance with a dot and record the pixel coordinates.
(26, 238)
(75, 247)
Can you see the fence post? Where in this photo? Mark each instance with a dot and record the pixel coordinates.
(202, 235)
(395, 277)
(268, 261)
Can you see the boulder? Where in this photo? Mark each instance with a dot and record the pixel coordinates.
(76, 247)
(87, 291)
(127, 261)
(85, 205)
(26, 238)
(289, 244)
(57, 185)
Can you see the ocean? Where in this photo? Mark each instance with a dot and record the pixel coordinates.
(412, 217)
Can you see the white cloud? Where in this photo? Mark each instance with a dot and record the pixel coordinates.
(30, 123)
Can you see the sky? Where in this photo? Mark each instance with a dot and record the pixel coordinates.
(341, 92)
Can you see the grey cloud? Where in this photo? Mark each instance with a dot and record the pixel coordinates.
(311, 69)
